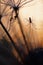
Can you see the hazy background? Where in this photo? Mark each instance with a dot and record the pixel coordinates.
(34, 31)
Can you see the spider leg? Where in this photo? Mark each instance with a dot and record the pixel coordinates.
(22, 2)
(10, 20)
(4, 9)
(19, 2)
(25, 3)
(7, 4)
(13, 1)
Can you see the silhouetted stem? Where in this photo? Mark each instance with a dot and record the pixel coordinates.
(23, 34)
(11, 40)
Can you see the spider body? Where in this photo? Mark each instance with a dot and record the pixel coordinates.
(16, 8)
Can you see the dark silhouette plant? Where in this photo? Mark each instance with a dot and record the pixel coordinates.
(16, 6)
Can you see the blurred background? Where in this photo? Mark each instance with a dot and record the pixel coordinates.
(25, 35)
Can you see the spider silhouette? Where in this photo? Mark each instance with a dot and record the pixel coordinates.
(15, 6)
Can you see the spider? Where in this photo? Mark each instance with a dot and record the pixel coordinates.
(16, 6)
